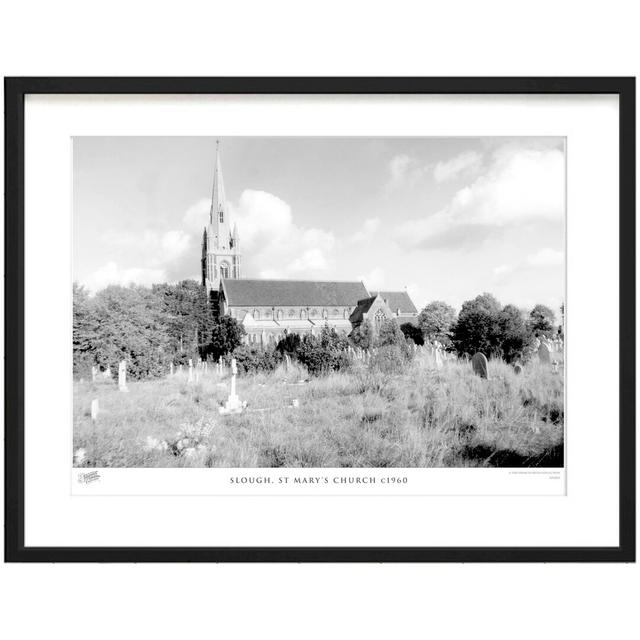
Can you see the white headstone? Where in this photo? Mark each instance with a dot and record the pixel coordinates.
(171, 369)
(95, 407)
(233, 404)
(94, 373)
(122, 376)
(190, 370)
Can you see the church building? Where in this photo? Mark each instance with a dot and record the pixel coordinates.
(269, 309)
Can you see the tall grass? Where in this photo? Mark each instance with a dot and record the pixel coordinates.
(415, 417)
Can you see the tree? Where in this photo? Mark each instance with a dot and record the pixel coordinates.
(324, 353)
(226, 334)
(131, 326)
(478, 326)
(389, 334)
(189, 319)
(436, 321)
(541, 321)
(411, 332)
(515, 335)
(289, 344)
(85, 327)
(362, 336)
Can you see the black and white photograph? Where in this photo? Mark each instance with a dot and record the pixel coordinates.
(318, 302)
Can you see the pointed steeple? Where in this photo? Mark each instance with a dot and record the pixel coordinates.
(218, 198)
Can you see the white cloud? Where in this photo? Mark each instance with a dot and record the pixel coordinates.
(540, 260)
(520, 185)
(273, 246)
(154, 248)
(197, 216)
(375, 279)
(398, 168)
(369, 228)
(111, 273)
(462, 164)
(502, 270)
(546, 258)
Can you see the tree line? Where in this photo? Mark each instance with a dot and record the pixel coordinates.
(153, 327)
(483, 324)
(150, 328)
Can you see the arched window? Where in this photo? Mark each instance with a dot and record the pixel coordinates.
(380, 317)
(256, 314)
(346, 314)
(224, 270)
(279, 314)
(303, 314)
(292, 313)
(325, 314)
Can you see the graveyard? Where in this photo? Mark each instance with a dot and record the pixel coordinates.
(437, 410)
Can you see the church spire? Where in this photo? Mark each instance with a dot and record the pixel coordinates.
(218, 199)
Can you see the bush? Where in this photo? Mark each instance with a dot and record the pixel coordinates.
(389, 334)
(411, 332)
(252, 360)
(362, 336)
(289, 344)
(226, 334)
(324, 353)
(390, 359)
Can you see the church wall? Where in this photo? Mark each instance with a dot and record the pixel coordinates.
(317, 313)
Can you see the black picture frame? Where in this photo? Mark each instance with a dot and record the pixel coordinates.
(15, 91)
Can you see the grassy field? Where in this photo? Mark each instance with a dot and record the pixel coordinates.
(421, 417)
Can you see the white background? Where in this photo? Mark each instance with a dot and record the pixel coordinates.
(586, 516)
(488, 38)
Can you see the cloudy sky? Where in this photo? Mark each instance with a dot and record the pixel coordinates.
(446, 217)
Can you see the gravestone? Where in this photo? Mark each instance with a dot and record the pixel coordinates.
(190, 370)
(480, 365)
(544, 354)
(94, 373)
(107, 373)
(233, 404)
(517, 369)
(122, 376)
(95, 407)
(171, 369)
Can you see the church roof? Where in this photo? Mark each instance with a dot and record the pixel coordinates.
(243, 292)
(363, 306)
(397, 300)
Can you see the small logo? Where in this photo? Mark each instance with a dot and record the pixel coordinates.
(86, 478)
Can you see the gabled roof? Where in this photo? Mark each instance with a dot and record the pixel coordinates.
(362, 308)
(291, 293)
(397, 300)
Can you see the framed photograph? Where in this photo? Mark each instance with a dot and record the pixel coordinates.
(320, 319)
